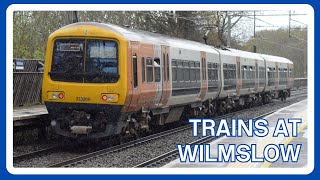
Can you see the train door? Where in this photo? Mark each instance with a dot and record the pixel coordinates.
(204, 83)
(265, 74)
(135, 86)
(158, 78)
(257, 76)
(277, 76)
(288, 76)
(166, 86)
(239, 79)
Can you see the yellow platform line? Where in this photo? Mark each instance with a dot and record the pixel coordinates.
(269, 140)
(286, 142)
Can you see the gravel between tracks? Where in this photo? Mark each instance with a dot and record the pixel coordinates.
(138, 154)
(23, 149)
(45, 160)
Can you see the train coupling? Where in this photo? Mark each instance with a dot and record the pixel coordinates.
(81, 129)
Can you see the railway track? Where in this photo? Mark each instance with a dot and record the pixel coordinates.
(120, 147)
(74, 161)
(78, 159)
(173, 154)
(37, 153)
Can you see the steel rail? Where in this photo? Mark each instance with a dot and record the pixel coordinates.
(120, 147)
(35, 153)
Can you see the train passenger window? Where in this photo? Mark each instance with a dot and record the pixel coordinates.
(143, 69)
(234, 71)
(257, 70)
(149, 70)
(233, 66)
(192, 71)
(157, 73)
(213, 74)
(135, 71)
(174, 70)
(186, 71)
(180, 71)
(270, 73)
(261, 73)
(250, 72)
(213, 71)
(216, 71)
(209, 65)
(225, 72)
(285, 72)
(198, 71)
(244, 70)
(229, 71)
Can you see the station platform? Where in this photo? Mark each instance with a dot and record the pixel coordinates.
(29, 115)
(297, 110)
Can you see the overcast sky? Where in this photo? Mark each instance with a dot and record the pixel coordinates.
(280, 21)
(277, 19)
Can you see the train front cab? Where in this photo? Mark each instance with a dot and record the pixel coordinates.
(84, 83)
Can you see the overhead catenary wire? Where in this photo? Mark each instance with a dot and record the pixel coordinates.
(299, 22)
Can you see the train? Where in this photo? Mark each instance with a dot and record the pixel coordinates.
(102, 80)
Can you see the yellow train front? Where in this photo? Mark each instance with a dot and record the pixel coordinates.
(84, 84)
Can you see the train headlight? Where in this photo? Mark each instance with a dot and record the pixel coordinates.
(54, 96)
(110, 97)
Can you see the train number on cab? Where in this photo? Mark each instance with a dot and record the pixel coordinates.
(82, 99)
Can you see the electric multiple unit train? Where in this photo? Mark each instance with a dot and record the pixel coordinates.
(102, 80)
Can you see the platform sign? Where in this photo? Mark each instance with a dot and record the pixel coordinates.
(19, 65)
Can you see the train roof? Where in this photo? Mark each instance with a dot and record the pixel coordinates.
(263, 56)
(247, 54)
(276, 59)
(138, 35)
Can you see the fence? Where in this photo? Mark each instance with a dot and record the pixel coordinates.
(27, 81)
(300, 82)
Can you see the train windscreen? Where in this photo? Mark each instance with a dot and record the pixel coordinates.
(82, 60)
